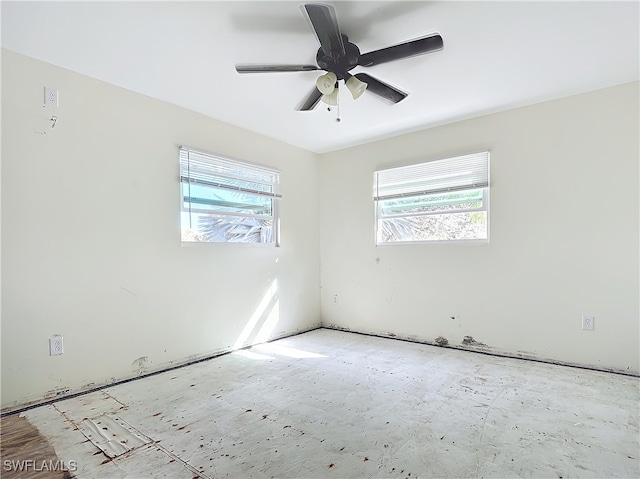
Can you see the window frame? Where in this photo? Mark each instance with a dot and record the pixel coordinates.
(481, 182)
(242, 172)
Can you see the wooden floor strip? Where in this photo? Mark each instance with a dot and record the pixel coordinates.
(27, 454)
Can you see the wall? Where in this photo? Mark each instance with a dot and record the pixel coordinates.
(91, 247)
(91, 241)
(564, 237)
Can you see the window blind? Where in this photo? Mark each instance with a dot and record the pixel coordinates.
(198, 167)
(451, 174)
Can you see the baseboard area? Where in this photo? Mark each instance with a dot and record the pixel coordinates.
(477, 348)
(480, 348)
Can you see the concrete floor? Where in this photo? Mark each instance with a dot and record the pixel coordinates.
(335, 404)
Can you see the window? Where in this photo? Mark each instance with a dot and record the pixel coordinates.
(226, 200)
(443, 200)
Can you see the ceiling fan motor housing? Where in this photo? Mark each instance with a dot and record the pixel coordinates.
(337, 62)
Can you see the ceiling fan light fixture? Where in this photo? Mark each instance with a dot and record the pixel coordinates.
(326, 83)
(332, 98)
(356, 87)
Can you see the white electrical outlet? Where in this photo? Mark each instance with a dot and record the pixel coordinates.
(588, 323)
(335, 299)
(50, 96)
(56, 345)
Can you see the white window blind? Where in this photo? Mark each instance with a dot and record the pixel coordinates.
(452, 174)
(198, 167)
(225, 200)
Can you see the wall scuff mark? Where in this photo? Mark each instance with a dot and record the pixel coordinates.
(469, 341)
(141, 364)
(442, 341)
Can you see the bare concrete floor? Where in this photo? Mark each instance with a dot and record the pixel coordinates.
(336, 404)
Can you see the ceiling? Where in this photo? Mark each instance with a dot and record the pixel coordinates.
(496, 56)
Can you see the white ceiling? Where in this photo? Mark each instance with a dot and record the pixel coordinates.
(496, 56)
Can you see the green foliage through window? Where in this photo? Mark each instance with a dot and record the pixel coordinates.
(227, 201)
(444, 200)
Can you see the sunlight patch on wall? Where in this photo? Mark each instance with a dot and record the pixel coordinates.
(262, 321)
(269, 323)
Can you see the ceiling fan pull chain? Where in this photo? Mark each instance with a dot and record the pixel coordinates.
(338, 105)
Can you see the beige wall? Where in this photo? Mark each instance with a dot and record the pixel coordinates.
(91, 247)
(564, 237)
(91, 242)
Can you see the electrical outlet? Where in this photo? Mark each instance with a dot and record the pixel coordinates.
(588, 323)
(335, 298)
(50, 96)
(56, 345)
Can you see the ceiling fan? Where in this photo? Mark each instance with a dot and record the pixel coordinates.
(338, 56)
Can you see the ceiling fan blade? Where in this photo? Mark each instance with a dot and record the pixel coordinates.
(274, 68)
(325, 25)
(311, 100)
(381, 89)
(432, 43)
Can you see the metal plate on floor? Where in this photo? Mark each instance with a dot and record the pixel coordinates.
(112, 435)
